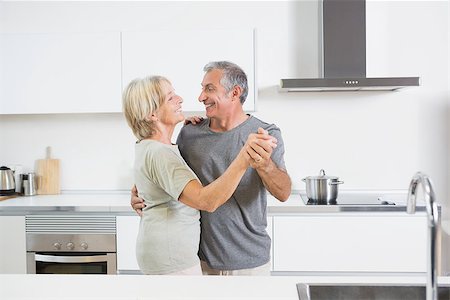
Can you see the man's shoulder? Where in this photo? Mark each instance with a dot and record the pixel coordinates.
(190, 132)
(191, 128)
(255, 122)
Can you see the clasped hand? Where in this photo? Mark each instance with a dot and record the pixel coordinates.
(259, 148)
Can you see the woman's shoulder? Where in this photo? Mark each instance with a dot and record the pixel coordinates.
(158, 150)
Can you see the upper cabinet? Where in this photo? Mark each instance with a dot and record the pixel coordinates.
(60, 73)
(86, 72)
(181, 55)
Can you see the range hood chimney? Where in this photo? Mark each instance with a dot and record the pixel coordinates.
(343, 65)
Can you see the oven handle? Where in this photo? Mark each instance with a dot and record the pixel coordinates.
(70, 259)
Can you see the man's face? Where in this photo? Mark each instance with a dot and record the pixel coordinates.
(214, 96)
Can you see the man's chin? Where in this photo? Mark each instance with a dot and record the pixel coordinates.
(209, 113)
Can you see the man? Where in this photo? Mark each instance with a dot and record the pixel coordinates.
(233, 239)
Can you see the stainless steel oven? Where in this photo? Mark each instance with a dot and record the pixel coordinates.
(71, 244)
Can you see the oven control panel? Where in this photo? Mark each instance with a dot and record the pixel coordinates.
(69, 242)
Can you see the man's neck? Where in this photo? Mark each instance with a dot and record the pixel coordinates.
(228, 123)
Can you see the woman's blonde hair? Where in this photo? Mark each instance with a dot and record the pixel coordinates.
(141, 98)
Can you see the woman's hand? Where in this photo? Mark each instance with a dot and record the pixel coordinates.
(193, 120)
(259, 147)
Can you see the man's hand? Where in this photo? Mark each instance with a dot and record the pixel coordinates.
(259, 147)
(275, 179)
(136, 202)
(193, 120)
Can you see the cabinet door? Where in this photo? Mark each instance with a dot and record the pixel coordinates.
(60, 73)
(181, 55)
(127, 231)
(12, 245)
(270, 233)
(345, 243)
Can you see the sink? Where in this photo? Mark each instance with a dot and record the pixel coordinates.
(366, 292)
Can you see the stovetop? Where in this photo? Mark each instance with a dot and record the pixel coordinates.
(351, 199)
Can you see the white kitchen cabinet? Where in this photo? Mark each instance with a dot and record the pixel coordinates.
(269, 230)
(180, 56)
(349, 242)
(60, 73)
(127, 228)
(12, 245)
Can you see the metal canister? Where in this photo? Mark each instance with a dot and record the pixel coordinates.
(28, 181)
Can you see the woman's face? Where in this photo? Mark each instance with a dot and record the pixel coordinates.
(170, 112)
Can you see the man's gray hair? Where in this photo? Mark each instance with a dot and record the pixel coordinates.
(232, 75)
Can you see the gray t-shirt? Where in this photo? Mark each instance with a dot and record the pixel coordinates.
(233, 237)
(169, 231)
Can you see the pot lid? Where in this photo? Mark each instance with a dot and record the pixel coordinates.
(322, 176)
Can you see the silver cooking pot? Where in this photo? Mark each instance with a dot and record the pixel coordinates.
(322, 188)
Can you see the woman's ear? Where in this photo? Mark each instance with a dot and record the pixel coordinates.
(152, 118)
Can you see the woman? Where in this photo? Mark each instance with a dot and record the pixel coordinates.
(169, 230)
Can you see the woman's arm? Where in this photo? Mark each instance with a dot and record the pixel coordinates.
(210, 197)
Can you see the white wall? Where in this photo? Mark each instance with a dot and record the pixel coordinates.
(371, 140)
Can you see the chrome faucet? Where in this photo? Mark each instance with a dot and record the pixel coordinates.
(433, 228)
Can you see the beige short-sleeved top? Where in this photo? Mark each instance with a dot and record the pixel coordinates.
(169, 230)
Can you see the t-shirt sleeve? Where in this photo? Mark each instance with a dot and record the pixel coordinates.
(170, 172)
(278, 152)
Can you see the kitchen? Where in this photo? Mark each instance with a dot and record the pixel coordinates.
(374, 141)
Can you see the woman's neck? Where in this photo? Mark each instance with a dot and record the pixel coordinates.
(163, 134)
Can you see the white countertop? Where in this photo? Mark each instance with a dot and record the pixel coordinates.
(179, 287)
(102, 201)
(71, 199)
(119, 202)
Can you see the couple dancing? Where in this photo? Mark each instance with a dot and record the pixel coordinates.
(220, 169)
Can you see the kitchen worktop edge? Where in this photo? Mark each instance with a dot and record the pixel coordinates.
(118, 203)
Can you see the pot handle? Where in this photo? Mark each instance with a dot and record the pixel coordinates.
(335, 182)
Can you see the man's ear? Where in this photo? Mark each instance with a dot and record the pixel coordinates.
(236, 93)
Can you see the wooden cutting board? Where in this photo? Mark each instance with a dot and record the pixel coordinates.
(47, 171)
(7, 197)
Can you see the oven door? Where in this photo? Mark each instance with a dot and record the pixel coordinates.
(71, 263)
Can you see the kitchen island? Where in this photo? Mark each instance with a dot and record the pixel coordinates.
(128, 287)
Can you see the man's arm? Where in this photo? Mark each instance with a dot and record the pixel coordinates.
(136, 202)
(275, 179)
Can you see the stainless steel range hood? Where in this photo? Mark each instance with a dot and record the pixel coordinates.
(343, 66)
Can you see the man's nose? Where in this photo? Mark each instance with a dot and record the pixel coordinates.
(201, 97)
